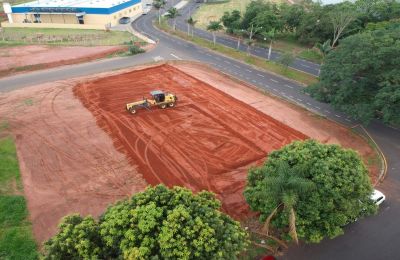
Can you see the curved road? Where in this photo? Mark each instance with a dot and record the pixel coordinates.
(371, 238)
(190, 8)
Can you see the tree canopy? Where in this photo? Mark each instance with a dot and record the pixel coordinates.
(309, 22)
(159, 223)
(340, 193)
(362, 76)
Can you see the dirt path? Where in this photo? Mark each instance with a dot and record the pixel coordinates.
(68, 164)
(33, 57)
(207, 141)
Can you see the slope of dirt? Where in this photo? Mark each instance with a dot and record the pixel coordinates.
(68, 164)
(208, 141)
(33, 57)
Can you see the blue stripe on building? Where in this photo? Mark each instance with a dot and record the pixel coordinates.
(87, 10)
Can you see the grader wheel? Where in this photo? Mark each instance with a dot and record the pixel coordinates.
(132, 110)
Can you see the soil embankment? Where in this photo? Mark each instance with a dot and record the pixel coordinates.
(34, 57)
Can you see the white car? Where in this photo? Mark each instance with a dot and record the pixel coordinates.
(146, 10)
(378, 197)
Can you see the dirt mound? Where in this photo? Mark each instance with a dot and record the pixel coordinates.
(207, 142)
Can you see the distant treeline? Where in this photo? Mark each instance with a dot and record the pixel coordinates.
(310, 22)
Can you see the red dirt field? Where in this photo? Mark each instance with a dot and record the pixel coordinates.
(67, 163)
(35, 57)
(75, 160)
(208, 141)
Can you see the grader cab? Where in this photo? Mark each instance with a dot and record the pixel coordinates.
(158, 98)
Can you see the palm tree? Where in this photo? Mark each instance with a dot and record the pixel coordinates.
(159, 4)
(191, 22)
(324, 49)
(250, 43)
(172, 14)
(239, 34)
(214, 27)
(270, 35)
(284, 188)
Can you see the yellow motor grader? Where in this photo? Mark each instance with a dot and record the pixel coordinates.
(158, 98)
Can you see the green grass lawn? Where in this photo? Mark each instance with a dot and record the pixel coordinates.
(214, 11)
(289, 44)
(16, 240)
(20, 36)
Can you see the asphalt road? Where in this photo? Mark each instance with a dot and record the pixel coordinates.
(190, 8)
(371, 238)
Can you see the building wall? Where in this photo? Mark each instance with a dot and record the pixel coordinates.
(53, 25)
(99, 20)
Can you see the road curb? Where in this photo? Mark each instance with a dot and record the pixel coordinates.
(139, 35)
(384, 167)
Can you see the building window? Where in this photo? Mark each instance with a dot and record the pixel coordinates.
(37, 18)
(80, 19)
(115, 17)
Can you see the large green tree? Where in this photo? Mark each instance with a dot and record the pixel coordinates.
(231, 21)
(159, 223)
(362, 75)
(341, 189)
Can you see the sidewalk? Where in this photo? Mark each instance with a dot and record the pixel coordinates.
(128, 28)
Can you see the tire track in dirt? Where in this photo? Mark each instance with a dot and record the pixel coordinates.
(207, 141)
(101, 166)
(68, 164)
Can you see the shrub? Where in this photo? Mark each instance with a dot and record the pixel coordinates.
(135, 50)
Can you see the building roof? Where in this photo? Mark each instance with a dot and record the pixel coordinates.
(74, 6)
(73, 3)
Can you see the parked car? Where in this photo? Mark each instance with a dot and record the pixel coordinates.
(146, 10)
(124, 20)
(378, 197)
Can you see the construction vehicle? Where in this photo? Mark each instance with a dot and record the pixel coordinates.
(158, 98)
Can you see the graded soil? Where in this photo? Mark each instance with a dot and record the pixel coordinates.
(78, 160)
(67, 163)
(316, 127)
(207, 142)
